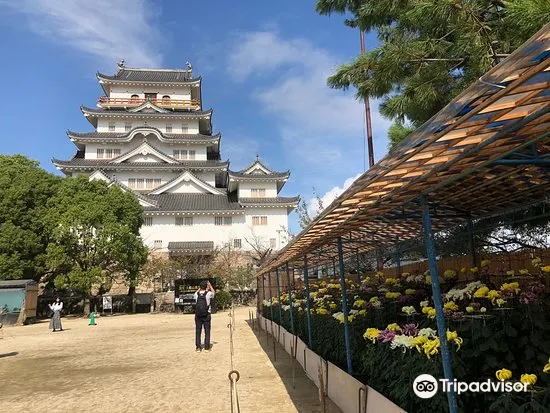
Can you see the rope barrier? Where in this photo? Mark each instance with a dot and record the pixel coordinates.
(234, 374)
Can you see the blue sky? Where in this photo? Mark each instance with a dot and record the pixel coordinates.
(264, 67)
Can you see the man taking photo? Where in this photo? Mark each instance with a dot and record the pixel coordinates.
(203, 308)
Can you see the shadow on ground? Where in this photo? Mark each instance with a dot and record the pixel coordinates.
(13, 353)
(302, 391)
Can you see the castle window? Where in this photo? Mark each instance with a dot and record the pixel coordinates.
(257, 192)
(188, 221)
(133, 98)
(127, 127)
(148, 221)
(112, 126)
(273, 243)
(179, 220)
(166, 99)
(259, 220)
(237, 243)
(227, 220)
(180, 154)
(184, 128)
(100, 153)
(168, 128)
(158, 244)
(192, 154)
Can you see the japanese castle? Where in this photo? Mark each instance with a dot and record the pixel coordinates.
(152, 136)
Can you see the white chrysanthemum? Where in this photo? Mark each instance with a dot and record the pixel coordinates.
(427, 332)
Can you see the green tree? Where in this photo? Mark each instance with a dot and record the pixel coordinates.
(430, 50)
(95, 235)
(24, 191)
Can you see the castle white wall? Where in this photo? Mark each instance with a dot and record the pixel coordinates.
(177, 125)
(203, 229)
(175, 93)
(245, 187)
(166, 148)
(124, 176)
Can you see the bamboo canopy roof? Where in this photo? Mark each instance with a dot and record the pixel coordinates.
(487, 152)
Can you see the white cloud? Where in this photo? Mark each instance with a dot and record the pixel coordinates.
(105, 29)
(295, 94)
(329, 196)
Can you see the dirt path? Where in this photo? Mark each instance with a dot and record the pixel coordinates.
(143, 363)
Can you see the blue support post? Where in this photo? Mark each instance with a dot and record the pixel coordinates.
(308, 307)
(438, 305)
(471, 244)
(279, 296)
(270, 295)
(344, 305)
(290, 300)
(357, 265)
(398, 257)
(263, 289)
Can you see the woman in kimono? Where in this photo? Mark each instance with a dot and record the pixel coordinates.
(55, 322)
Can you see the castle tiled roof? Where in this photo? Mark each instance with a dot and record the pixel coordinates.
(94, 136)
(270, 176)
(269, 201)
(191, 246)
(170, 202)
(151, 75)
(122, 112)
(106, 164)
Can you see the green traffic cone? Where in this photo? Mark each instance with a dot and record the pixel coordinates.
(92, 319)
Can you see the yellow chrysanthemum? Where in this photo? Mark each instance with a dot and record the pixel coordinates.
(463, 270)
(418, 342)
(503, 374)
(536, 261)
(500, 302)
(485, 263)
(474, 269)
(449, 274)
(546, 268)
(410, 291)
(529, 379)
(431, 347)
(510, 273)
(333, 306)
(493, 295)
(510, 287)
(359, 303)
(546, 368)
(481, 292)
(450, 306)
(373, 300)
(391, 295)
(362, 312)
(321, 311)
(394, 327)
(525, 271)
(470, 309)
(371, 334)
(453, 337)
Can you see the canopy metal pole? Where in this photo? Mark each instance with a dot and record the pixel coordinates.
(270, 294)
(308, 307)
(398, 257)
(333, 267)
(471, 244)
(436, 291)
(290, 299)
(344, 304)
(279, 296)
(357, 265)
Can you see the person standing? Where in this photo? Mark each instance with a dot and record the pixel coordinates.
(55, 322)
(203, 316)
